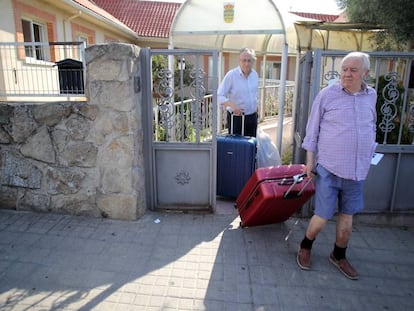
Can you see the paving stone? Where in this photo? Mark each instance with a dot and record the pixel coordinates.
(194, 262)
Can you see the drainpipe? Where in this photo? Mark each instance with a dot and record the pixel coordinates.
(67, 20)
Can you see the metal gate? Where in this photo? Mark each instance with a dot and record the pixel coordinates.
(392, 76)
(180, 126)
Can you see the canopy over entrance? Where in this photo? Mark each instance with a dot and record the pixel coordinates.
(313, 35)
(229, 25)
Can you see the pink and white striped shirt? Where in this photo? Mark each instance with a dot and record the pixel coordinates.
(341, 131)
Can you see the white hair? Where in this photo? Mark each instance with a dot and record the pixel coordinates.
(250, 51)
(363, 57)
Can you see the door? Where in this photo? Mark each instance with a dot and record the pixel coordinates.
(180, 106)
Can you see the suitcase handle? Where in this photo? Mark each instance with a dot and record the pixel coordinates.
(301, 190)
(285, 181)
(295, 180)
(292, 180)
(232, 125)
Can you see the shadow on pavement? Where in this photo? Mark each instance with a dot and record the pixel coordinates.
(172, 261)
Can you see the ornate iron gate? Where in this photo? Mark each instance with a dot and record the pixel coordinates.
(180, 111)
(392, 76)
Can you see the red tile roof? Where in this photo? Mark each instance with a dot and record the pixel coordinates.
(153, 19)
(317, 16)
(90, 4)
(148, 18)
(342, 18)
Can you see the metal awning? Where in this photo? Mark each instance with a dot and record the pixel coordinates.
(229, 26)
(313, 35)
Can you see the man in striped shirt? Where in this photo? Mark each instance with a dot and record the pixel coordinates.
(340, 143)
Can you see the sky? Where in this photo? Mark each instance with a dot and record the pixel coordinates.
(313, 6)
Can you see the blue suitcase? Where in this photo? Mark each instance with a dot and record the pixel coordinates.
(236, 162)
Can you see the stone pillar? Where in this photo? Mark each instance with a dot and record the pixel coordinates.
(117, 130)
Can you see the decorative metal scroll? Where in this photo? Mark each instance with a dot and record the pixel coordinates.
(389, 109)
(332, 76)
(197, 92)
(165, 92)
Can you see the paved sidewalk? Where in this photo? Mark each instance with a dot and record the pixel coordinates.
(194, 262)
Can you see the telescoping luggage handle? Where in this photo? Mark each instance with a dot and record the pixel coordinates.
(296, 179)
(232, 123)
(292, 181)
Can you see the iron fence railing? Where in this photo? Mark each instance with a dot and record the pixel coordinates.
(391, 76)
(269, 96)
(42, 69)
(184, 112)
(268, 109)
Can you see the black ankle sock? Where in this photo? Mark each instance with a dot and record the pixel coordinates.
(339, 252)
(306, 243)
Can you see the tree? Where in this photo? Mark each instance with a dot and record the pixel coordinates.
(160, 63)
(395, 17)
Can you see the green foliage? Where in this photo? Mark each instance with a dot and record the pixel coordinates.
(159, 132)
(396, 17)
(190, 133)
(385, 42)
(289, 101)
(272, 104)
(287, 156)
(160, 62)
(187, 79)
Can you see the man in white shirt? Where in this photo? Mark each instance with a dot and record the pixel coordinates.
(238, 94)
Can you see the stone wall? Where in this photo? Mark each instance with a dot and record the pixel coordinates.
(81, 158)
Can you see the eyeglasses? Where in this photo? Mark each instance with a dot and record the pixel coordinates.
(246, 60)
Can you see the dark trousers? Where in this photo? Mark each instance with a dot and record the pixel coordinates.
(250, 124)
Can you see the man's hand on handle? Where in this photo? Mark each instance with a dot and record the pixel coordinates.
(236, 110)
(310, 164)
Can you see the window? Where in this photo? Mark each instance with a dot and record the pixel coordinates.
(34, 32)
(273, 70)
(84, 39)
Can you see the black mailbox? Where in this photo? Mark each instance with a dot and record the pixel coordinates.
(70, 76)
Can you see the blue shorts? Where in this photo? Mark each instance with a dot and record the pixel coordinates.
(332, 191)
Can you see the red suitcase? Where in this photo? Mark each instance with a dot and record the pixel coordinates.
(273, 194)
